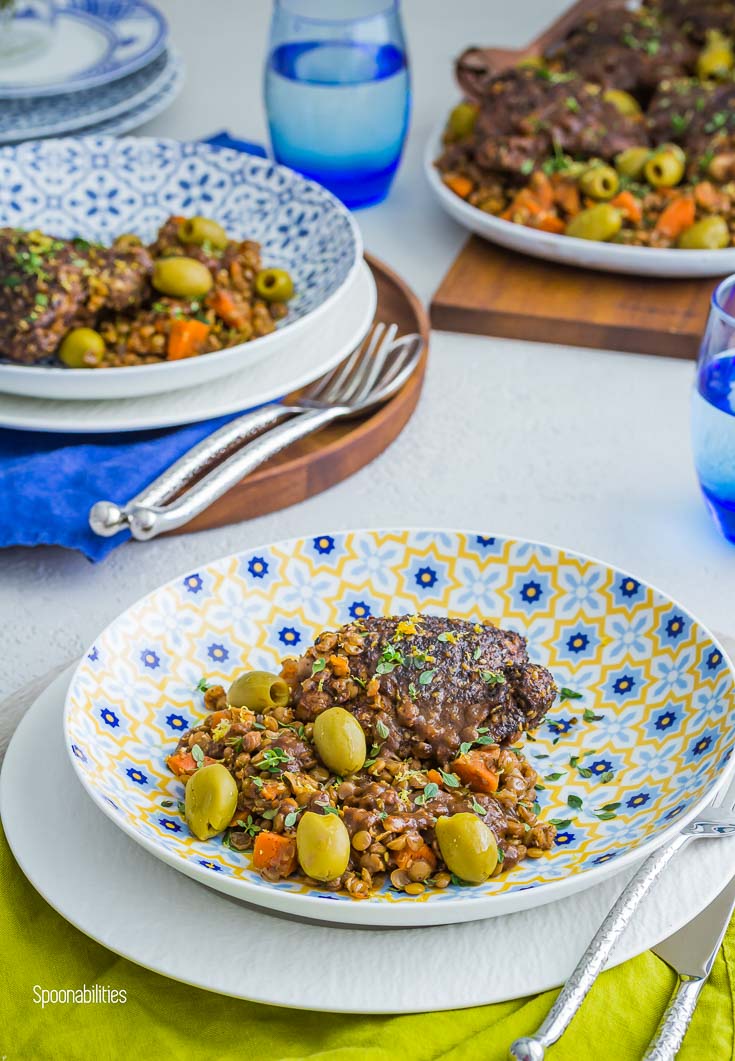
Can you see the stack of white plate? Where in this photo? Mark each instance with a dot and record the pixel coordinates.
(107, 67)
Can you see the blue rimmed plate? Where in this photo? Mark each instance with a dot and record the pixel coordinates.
(129, 98)
(645, 745)
(98, 187)
(93, 42)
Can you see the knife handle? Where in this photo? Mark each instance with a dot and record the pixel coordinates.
(678, 1016)
(594, 959)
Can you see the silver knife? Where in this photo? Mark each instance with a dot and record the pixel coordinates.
(691, 953)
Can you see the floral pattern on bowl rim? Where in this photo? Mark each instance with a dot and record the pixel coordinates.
(622, 767)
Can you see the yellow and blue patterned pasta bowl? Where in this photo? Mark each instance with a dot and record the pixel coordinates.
(624, 764)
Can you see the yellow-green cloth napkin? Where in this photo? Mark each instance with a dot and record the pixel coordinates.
(165, 1019)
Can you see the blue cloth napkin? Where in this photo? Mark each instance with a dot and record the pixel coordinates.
(48, 482)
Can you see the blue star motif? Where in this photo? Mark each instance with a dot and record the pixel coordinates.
(359, 609)
(624, 684)
(78, 753)
(560, 725)
(531, 592)
(210, 865)
(287, 635)
(426, 577)
(603, 858)
(258, 567)
(109, 718)
(137, 776)
(702, 745)
(193, 583)
(629, 587)
(601, 766)
(578, 642)
(673, 813)
(639, 800)
(169, 825)
(666, 720)
(675, 626)
(218, 653)
(484, 541)
(563, 839)
(93, 654)
(324, 544)
(150, 659)
(176, 722)
(714, 659)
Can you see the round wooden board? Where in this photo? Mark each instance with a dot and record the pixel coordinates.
(331, 455)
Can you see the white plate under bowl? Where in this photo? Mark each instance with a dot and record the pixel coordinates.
(654, 686)
(98, 187)
(265, 381)
(128, 901)
(584, 253)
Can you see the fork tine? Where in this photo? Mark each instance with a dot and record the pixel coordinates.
(405, 350)
(320, 387)
(352, 383)
(374, 366)
(334, 392)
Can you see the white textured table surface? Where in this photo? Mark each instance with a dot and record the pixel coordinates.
(580, 448)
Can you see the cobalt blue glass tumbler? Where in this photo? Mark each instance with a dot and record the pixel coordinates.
(713, 410)
(337, 93)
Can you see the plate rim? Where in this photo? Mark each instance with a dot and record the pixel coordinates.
(144, 95)
(548, 246)
(83, 80)
(175, 421)
(392, 915)
(231, 353)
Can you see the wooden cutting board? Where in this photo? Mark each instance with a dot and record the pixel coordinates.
(492, 291)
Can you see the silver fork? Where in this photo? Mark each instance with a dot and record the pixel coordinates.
(369, 376)
(106, 518)
(713, 822)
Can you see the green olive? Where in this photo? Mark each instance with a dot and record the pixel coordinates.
(127, 240)
(323, 845)
(468, 846)
(599, 182)
(622, 101)
(181, 277)
(462, 120)
(664, 169)
(258, 690)
(709, 234)
(600, 222)
(201, 230)
(82, 348)
(340, 740)
(630, 163)
(274, 285)
(716, 59)
(210, 800)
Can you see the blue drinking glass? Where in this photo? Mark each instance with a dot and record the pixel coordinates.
(337, 93)
(713, 410)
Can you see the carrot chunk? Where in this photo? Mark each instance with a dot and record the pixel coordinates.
(182, 764)
(275, 852)
(186, 339)
(677, 216)
(627, 203)
(406, 857)
(461, 186)
(473, 770)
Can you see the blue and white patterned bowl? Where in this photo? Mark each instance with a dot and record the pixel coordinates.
(98, 187)
(625, 765)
